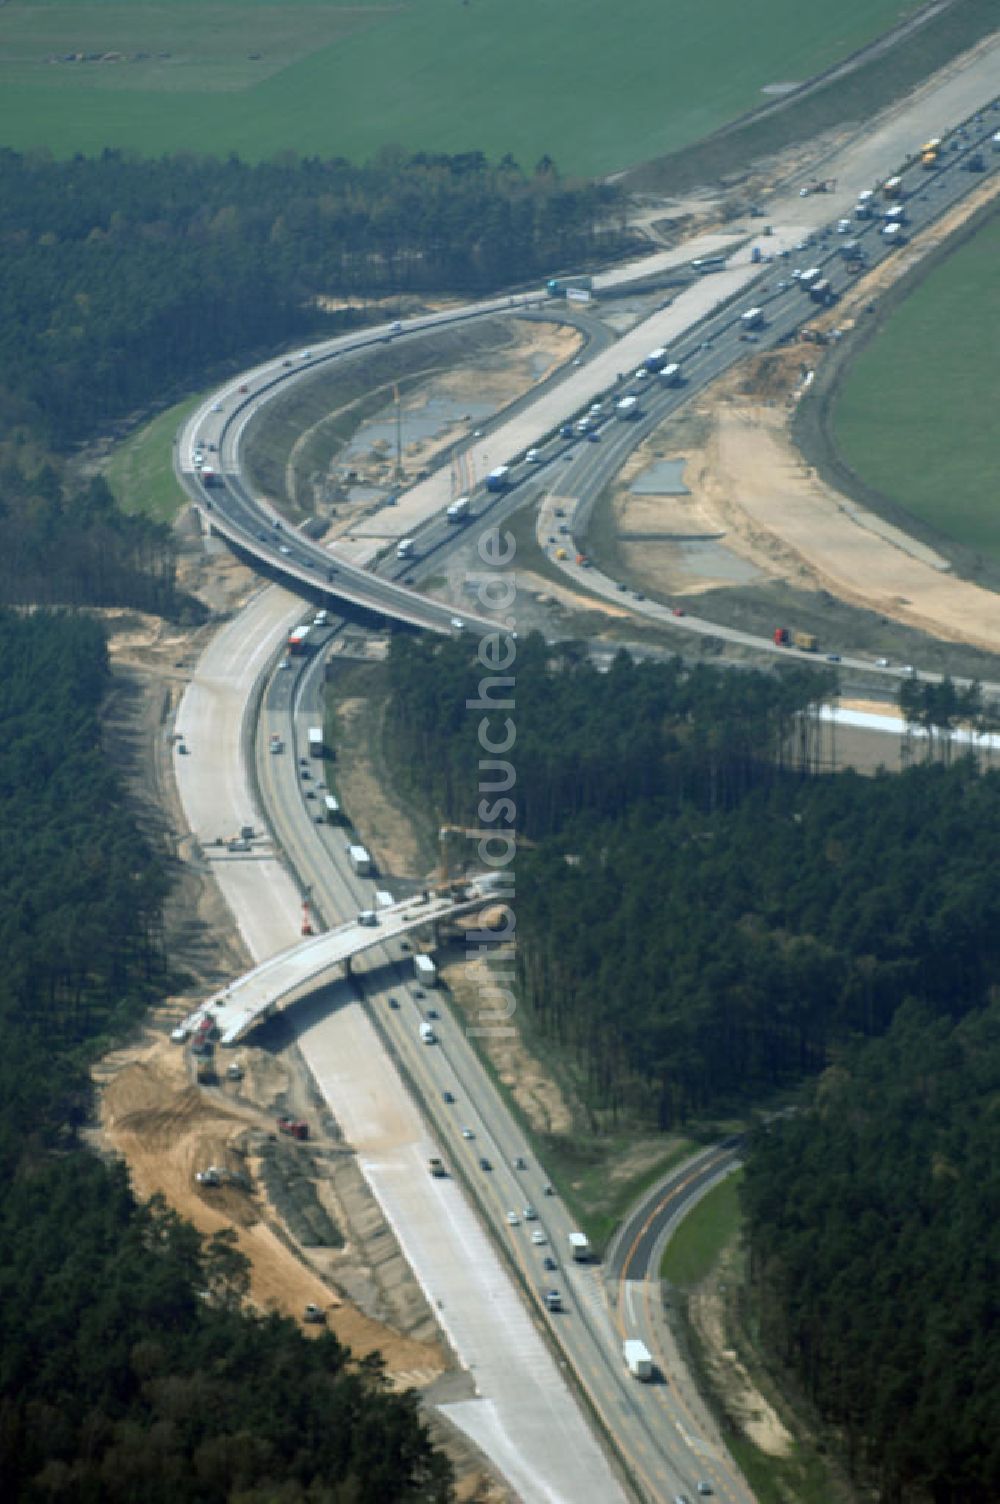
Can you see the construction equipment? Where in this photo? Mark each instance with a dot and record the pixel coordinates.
(294, 1127)
(819, 185)
(445, 879)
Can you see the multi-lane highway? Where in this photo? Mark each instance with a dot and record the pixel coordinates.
(666, 1450)
(664, 1444)
(704, 349)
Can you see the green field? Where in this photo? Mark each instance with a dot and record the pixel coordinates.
(594, 84)
(695, 1247)
(915, 416)
(140, 471)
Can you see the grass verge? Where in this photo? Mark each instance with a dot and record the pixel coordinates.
(697, 1245)
(140, 471)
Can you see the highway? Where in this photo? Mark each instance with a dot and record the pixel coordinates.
(706, 336)
(242, 1004)
(664, 1447)
(475, 1125)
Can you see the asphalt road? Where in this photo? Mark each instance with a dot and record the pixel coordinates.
(662, 1460)
(477, 1125)
(704, 350)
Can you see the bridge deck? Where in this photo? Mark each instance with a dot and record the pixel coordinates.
(258, 993)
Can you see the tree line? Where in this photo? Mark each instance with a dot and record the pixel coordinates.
(706, 918)
(65, 542)
(125, 280)
(874, 1249)
(128, 1368)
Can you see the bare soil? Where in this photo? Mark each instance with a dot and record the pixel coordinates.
(389, 835)
(167, 1128)
(752, 494)
(727, 1374)
(536, 1094)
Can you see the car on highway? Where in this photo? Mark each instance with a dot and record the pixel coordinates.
(513, 1220)
(621, 585)
(394, 1002)
(520, 1163)
(310, 793)
(594, 436)
(484, 1164)
(704, 1487)
(534, 456)
(833, 657)
(538, 1237)
(639, 595)
(881, 663)
(283, 548)
(419, 992)
(529, 1214)
(448, 1097)
(467, 1133)
(433, 1013)
(457, 624)
(677, 611)
(549, 1263)
(216, 407)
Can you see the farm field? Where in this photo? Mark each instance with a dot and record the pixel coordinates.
(915, 417)
(595, 85)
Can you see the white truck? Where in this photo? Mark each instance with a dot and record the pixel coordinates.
(425, 971)
(752, 318)
(627, 408)
(579, 1247)
(459, 509)
(638, 1360)
(404, 548)
(498, 479)
(671, 374)
(360, 860)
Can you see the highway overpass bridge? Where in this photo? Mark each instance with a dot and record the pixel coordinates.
(297, 972)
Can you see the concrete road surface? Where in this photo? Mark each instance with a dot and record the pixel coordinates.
(524, 1417)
